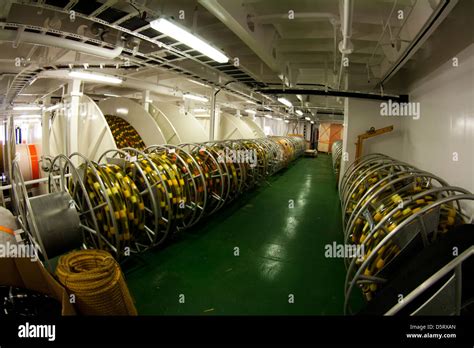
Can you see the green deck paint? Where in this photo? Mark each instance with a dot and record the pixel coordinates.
(281, 252)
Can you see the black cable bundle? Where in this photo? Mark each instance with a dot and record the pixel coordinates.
(27, 303)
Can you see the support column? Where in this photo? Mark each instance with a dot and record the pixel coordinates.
(73, 98)
(212, 124)
(146, 100)
(217, 122)
(45, 126)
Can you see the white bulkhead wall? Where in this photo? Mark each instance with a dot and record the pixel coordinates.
(359, 116)
(441, 141)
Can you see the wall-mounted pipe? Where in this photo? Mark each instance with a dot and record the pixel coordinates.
(337, 93)
(47, 40)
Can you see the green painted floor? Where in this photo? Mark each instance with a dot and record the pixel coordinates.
(281, 253)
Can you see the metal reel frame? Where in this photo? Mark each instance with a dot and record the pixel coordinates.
(215, 199)
(196, 201)
(355, 165)
(26, 218)
(357, 275)
(156, 233)
(71, 174)
(393, 168)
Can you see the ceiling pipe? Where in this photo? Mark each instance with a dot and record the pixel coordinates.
(313, 16)
(341, 68)
(47, 40)
(127, 82)
(133, 83)
(336, 93)
(345, 46)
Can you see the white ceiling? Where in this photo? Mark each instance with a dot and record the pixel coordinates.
(270, 46)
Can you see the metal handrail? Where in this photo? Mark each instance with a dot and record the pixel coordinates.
(431, 280)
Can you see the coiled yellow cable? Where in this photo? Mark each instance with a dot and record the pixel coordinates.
(96, 281)
(124, 134)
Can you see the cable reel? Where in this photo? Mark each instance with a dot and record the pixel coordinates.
(369, 178)
(336, 153)
(152, 181)
(390, 207)
(235, 170)
(50, 221)
(131, 200)
(216, 175)
(194, 183)
(104, 208)
(369, 273)
(258, 170)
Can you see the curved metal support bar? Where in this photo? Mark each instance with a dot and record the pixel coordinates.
(92, 166)
(363, 176)
(355, 164)
(431, 280)
(411, 175)
(391, 235)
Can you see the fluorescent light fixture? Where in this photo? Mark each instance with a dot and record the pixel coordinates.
(23, 117)
(307, 119)
(54, 107)
(286, 121)
(312, 122)
(95, 77)
(285, 102)
(250, 101)
(268, 116)
(122, 111)
(299, 112)
(250, 111)
(195, 97)
(198, 83)
(200, 110)
(26, 107)
(111, 95)
(176, 32)
(278, 118)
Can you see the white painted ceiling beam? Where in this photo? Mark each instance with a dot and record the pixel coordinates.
(234, 16)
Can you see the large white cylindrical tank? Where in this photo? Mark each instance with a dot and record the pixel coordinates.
(254, 127)
(136, 116)
(232, 127)
(177, 127)
(93, 134)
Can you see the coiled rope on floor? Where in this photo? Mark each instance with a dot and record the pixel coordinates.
(96, 281)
